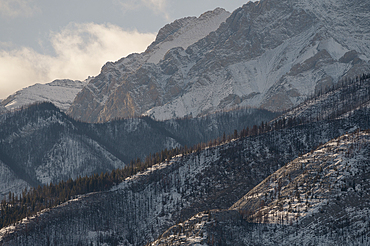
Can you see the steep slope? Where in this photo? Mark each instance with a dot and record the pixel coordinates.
(321, 198)
(40, 145)
(60, 92)
(185, 32)
(346, 96)
(110, 96)
(144, 206)
(3, 110)
(56, 147)
(10, 182)
(332, 174)
(269, 53)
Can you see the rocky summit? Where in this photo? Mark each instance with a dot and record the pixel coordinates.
(139, 82)
(146, 170)
(269, 54)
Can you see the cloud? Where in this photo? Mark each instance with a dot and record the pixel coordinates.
(158, 6)
(80, 51)
(16, 8)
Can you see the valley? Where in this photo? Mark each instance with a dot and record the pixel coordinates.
(242, 128)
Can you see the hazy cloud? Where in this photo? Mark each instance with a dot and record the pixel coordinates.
(158, 6)
(15, 8)
(80, 51)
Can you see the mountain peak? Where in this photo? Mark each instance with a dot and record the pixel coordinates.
(184, 32)
(271, 54)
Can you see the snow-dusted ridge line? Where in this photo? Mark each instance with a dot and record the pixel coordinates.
(136, 178)
(188, 170)
(125, 184)
(196, 29)
(330, 204)
(22, 224)
(270, 54)
(319, 176)
(60, 92)
(334, 103)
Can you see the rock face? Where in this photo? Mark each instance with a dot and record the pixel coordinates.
(139, 82)
(59, 92)
(270, 53)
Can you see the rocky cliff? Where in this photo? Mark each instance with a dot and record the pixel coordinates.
(269, 53)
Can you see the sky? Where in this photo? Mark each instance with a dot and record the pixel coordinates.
(43, 40)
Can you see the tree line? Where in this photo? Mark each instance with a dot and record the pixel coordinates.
(14, 207)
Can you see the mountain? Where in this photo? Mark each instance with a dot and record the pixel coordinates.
(271, 54)
(113, 87)
(55, 147)
(3, 110)
(320, 198)
(10, 182)
(60, 92)
(184, 32)
(40, 144)
(324, 188)
(145, 205)
(301, 178)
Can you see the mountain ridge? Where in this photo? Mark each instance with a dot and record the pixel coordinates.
(270, 53)
(301, 178)
(211, 178)
(56, 147)
(105, 93)
(59, 92)
(319, 198)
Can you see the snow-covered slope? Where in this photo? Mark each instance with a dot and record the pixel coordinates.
(337, 102)
(107, 87)
(145, 205)
(40, 144)
(270, 53)
(3, 110)
(10, 182)
(310, 181)
(191, 30)
(321, 198)
(60, 92)
(55, 147)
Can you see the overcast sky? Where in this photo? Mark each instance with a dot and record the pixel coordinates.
(42, 40)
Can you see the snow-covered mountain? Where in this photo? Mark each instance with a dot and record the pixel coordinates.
(145, 205)
(320, 198)
(270, 53)
(55, 147)
(59, 92)
(111, 90)
(184, 32)
(40, 144)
